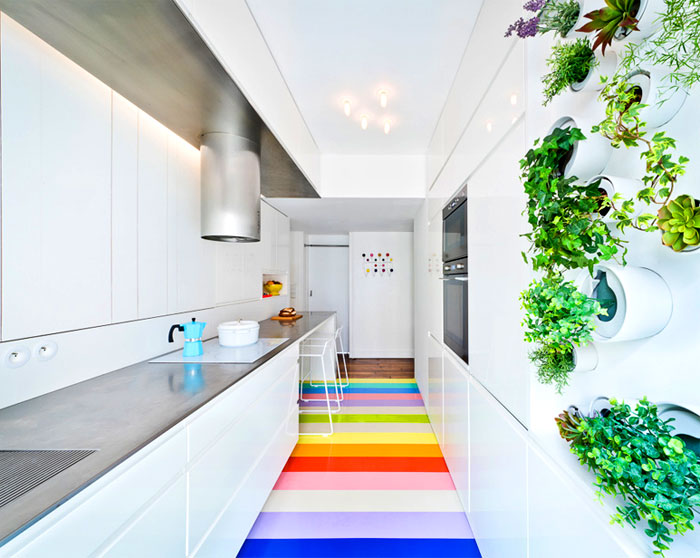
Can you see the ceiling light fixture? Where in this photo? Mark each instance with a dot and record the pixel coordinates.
(364, 121)
(387, 126)
(489, 126)
(346, 107)
(514, 99)
(383, 98)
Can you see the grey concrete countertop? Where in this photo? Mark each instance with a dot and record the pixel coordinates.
(118, 414)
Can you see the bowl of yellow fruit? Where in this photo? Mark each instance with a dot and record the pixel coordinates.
(272, 288)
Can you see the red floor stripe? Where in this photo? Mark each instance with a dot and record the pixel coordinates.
(379, 464)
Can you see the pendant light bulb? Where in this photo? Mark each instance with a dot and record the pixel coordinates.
(387, 127)
(346, 107)
(364, 122)
(383, 98)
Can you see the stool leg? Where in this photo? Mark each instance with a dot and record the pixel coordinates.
(345, 364)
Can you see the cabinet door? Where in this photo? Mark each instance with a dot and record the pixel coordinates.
(456, 423)
(56, 181)
(563, 523)
(435, 387)
(421, 267)
(159, 531)
(268, 236)
(282, 242)
(498, 478)
(434, 293)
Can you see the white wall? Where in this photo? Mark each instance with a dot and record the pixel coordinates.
(381, 308)
(372, 176)
(231, 32)
(101, 250)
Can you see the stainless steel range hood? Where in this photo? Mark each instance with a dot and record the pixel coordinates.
(148, 51)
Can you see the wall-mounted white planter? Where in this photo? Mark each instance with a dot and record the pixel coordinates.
(573, 34)
(643, 302)
(649, 22)
(605, 66)
(686, 422)
(589, 157)
(585, 358)
(662, 102)
(626, 187)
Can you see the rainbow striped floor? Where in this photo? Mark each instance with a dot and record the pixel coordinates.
(379, 486)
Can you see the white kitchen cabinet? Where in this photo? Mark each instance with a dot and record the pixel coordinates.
(56, 138)
(498, 478)
(124, 209)
(421, 266)
(434, 292)
(456, 423)
(282, 243)
(152, 218)
(159, 532)
(194, 258)
(435, 387)
(268, 236)
(563, 523)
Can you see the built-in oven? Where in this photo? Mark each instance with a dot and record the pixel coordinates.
(454, 228)
(455, 309)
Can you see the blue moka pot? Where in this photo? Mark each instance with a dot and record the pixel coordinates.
(193, 337)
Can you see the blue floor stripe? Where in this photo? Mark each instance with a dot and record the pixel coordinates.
(360, 548)
(321, 389)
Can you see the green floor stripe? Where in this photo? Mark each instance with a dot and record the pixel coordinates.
(365, 418)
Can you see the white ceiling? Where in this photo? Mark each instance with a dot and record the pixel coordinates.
(344, 215)
(330, 50)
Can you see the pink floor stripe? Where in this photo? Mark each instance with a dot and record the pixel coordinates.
(366, 396)
(364, 481)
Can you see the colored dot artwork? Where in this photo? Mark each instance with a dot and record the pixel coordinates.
(377, 264)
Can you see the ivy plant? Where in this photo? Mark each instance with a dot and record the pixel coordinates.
(567, 229)
(569, 63)
(623, 126)
(675, 46)
(635, 456)
(558, 316)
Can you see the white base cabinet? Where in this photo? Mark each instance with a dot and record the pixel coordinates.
(435, 387)
(195, 491)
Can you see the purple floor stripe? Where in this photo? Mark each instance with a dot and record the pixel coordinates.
(310, 525)
(368, 403)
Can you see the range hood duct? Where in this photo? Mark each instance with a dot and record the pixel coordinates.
(149, 52)
(230, 188)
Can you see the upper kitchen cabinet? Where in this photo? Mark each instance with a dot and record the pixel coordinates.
(283, 242)
(274, 239)
(56, 138)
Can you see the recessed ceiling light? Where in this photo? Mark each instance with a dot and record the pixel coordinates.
(489, 126)
(514, 99)
(387, 126)
(383, 98)
(346, 107)
(364, 121)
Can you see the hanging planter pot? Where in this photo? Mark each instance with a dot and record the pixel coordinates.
(686, 423)
(611, 185)
(602, 66)
(663, 103)
(638, 302)
(648, 21)
(585, 358)
(572, 34)
(587, 158)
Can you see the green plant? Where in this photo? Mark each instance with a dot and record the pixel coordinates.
(567, 230)
(634, 455)
(558, 16)
(680, 221)
(675, 46)
(558, 315)
(608, 21)
(553, 366)
(568, 64)
(623, 127)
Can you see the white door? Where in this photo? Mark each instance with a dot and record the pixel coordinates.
(329, 280)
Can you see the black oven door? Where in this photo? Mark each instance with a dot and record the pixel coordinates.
(454, 233)
(455, 312)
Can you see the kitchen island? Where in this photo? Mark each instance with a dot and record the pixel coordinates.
(184, 454)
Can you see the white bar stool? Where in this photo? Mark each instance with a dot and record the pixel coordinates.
(318, 350)
(338, 338)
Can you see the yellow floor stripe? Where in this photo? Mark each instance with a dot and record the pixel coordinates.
(372, 438)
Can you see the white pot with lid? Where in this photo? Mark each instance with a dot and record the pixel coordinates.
(238, 333)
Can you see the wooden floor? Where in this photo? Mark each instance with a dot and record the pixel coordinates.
(397, 368)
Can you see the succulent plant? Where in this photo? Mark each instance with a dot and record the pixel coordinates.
(680, 221)
(605, 22)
